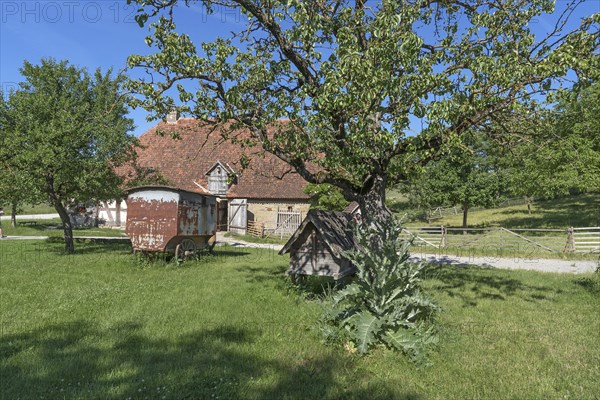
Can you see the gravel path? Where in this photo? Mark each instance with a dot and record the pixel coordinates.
(536, 264)
(30, 217)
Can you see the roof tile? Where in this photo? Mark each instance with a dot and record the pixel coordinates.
(184, 152)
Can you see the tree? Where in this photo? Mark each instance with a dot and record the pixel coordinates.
(557, 151)
(468, 176)
(70, 132)
(350, 76)
(15, 184)
(325, 197)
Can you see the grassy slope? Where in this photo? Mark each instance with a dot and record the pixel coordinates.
(578, 211)
(101, 324)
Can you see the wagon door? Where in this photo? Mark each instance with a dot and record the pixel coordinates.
(238, 213)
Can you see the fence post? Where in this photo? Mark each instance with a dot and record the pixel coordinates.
(570, 246)
(443, 241)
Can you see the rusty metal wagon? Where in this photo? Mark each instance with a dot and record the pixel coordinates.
(170, 220)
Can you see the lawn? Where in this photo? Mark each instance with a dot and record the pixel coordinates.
(52, 228)
(256, 239)
(37, 209)
(101, 324)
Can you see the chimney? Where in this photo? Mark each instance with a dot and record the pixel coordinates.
(172, 117)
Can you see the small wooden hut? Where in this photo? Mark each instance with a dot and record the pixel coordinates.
(317, 246)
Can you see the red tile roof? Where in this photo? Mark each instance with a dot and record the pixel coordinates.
(185, 160)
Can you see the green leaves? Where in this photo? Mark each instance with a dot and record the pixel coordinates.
(364, 327)
(68, 133)
(325, 197)
(385, 295)
(369, 89)
(411, 342)
(558, 149)
(468, 175)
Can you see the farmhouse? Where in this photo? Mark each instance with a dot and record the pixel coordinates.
(266, 195)
(317, 247)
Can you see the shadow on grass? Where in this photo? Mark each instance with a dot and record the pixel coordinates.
(264, 275)
(591, 284)
(578, 211)
(474, 283)
(56, 245)
(82, 360)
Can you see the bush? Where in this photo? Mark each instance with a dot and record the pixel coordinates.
(384, 304)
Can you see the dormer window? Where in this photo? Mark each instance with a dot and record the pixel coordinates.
(219, 178)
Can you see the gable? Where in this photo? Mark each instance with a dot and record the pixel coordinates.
(219, 177)
(333, 228)
(219, 169)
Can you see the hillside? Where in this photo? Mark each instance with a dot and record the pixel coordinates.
(578, 211)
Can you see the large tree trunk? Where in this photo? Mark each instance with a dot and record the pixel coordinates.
(62, 212)
(372, 202)
(13, 215)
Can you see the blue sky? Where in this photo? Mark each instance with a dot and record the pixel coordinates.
(102, 33)
(88, 34)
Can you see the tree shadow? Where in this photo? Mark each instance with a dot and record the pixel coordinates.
(264, 275)
(84, 360)
(473, 283)
(581, 210)
(590, 284)
(55, 245)
(226, 252)
(39, 226)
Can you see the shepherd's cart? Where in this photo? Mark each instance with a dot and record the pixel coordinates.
(170, 220)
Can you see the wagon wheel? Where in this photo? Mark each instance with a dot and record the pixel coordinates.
(186, 248)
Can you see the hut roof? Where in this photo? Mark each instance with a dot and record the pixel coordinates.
(352, 207)
(165, 188)
(335, 228)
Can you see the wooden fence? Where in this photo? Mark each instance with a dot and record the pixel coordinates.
(443, 211)
(287, 223)
(570, 240)
(256, 229)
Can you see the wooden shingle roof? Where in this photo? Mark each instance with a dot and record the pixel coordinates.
(185, 159)
(335, 228)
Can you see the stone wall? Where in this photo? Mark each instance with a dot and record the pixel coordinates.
(266, 212)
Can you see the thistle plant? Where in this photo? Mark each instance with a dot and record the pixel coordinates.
(384, 304)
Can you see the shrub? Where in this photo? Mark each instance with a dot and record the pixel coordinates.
(384, 304)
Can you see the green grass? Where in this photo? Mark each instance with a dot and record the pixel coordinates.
(496, 251)
(578, 211)
(256, 239)
(101, 324)
(30, 210)
(52, 228)
(37, 209)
